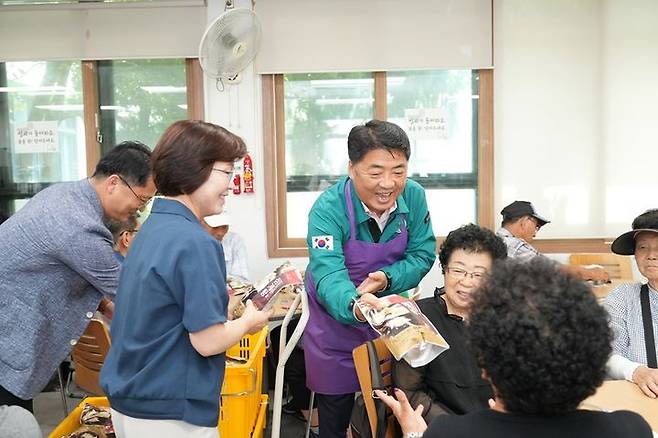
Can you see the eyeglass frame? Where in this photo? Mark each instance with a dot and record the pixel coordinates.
(225, 172)
(459, 273)
(142, 200)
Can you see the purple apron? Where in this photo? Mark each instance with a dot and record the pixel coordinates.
(328, 344)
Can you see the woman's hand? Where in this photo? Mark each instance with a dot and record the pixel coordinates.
(410, 420)
(647, 379)
(256, 319)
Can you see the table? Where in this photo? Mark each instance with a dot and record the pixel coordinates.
(615, 395)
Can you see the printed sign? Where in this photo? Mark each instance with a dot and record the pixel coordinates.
(36, 137)
(426, 123)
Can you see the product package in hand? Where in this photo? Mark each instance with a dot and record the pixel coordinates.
(263, 293)
(407, 333)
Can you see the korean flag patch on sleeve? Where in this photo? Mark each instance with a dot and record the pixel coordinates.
(323, 242)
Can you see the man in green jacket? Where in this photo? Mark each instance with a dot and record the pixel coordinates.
(369, 235)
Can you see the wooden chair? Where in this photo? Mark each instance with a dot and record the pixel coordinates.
(618, 267)
(362, 362)
(88, 356)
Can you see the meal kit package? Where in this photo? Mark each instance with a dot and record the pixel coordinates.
(407, 333)
(263, 293)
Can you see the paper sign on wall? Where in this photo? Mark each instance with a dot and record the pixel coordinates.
(426, 123)
(36, 137)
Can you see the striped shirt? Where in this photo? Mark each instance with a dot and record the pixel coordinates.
(623, 305)
(516, 248)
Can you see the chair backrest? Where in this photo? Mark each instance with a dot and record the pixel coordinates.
(618, 267)
(362, 365)
(89, 354)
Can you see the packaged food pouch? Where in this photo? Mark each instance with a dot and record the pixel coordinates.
(407, 333)
(263, 293)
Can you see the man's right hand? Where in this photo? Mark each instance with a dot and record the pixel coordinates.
(371, 300)
(647, 379)
(256, 319)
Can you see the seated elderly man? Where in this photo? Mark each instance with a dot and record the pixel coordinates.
(123, 234)
(543, 342)
(633, 308)
(521, 222)
(451, 383)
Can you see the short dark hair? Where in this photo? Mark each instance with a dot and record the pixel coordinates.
(130, 159)
(511, 220)
(648, 219)
(184, 156)
(540, 335)
(376, 134)
(118, 227)
(474, 239)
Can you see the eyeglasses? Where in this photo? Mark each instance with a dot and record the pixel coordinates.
(133, 231)
(228, 174)
(458, 273)
(142, 200)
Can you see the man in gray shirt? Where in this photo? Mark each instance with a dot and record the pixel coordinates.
(521, 223)
(58, 264)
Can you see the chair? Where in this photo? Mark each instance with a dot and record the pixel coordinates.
(88, 356)
(618, 267)
(370, 358)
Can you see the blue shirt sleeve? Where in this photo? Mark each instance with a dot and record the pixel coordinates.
(201, 278)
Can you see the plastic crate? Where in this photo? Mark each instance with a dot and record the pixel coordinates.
(241, 392)
(72, 420)
(259, 429)
(243, 407)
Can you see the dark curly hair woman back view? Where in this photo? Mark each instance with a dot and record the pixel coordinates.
(540, 335)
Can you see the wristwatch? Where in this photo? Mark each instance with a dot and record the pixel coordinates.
(412, 435)
(388, 281)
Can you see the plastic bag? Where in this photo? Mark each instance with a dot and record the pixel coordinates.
(407, 333)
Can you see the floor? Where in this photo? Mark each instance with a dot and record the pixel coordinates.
(49, 412)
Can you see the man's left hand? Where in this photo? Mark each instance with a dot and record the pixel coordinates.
(106, 307)
(375, 282)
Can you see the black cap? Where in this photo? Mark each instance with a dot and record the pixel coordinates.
(522, 208)
(625, 244)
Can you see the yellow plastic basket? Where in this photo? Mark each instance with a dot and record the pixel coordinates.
(241, 393)
(260, 420)
(243, 407)
(72, 420)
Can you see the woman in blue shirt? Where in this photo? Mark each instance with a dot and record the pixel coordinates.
(165, 369)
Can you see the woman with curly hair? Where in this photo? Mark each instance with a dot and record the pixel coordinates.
(633, 308)
(451, 383)
(543, 342)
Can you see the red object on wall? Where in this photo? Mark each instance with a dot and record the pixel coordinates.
(236, 184)
(248, 175)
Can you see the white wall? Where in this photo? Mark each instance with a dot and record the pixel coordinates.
(573, 83)
(575, 95)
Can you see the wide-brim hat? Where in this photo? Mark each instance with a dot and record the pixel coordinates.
(217, 220)
(625, 244)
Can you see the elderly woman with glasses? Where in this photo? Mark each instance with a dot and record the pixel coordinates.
(542, 342)
(633, 308)
(451, 383)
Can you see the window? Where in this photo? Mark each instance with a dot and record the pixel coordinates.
(41, 126)
(139, 99)
(50, 127)
(307, 118)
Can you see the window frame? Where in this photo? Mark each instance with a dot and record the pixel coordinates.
(279, 244)
(91, 105)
